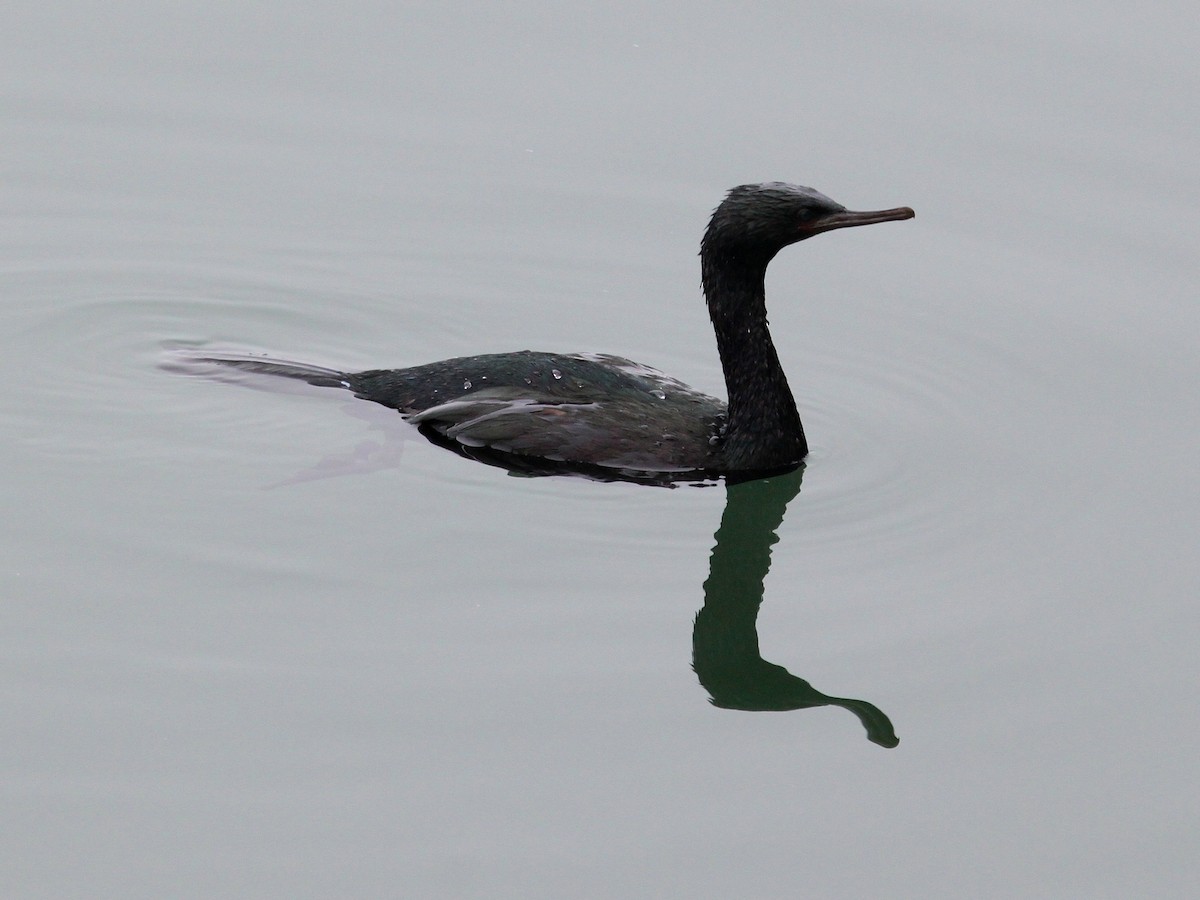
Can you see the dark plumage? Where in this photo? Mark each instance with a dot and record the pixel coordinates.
(602, 412)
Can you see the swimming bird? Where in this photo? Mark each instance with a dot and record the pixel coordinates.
(598, 413)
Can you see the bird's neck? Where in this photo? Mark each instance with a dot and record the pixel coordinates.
(763, 430)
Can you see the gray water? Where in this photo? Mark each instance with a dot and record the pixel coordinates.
(267, 643)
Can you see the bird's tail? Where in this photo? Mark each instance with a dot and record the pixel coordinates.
(191, 360)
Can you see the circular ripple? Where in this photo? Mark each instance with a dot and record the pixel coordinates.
(887, 433)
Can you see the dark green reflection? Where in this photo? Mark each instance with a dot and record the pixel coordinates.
(725, 639)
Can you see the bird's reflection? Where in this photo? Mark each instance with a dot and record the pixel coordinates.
(725, 651)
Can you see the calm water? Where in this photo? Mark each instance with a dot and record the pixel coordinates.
(265, 643)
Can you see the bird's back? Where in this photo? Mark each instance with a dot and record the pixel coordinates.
(595, 410)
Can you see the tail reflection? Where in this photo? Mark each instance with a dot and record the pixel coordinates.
(725, 651)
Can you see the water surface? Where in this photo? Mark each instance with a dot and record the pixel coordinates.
(272, 643)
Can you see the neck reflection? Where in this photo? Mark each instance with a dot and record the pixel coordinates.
(725, 652)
